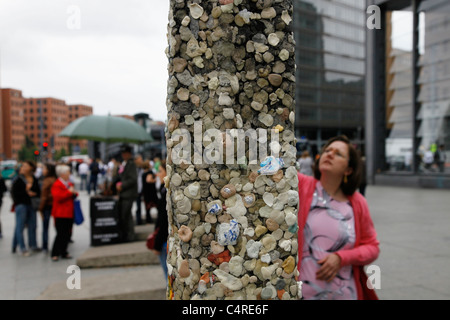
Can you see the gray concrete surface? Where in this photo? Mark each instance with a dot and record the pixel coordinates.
(412, 225)
(125, 285)
(117, 255)
(38, 277)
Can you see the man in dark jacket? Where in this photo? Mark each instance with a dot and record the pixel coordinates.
(127, 190)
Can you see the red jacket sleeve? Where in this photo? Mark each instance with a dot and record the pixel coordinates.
(60, 193)
(366, 248)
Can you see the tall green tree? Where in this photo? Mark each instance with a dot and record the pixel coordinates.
(26, 152)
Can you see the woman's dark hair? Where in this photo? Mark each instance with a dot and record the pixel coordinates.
(51, 170)
(32, 164)
(354, 162)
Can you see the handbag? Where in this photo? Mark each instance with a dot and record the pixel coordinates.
(35, 203)
(78, 217)
(151, 239)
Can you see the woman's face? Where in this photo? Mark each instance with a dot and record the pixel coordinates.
(25, 169)
(335, 159)
(65, 175)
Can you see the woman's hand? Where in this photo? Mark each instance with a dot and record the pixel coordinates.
(330, 266)
(156, 252)
(32, 193)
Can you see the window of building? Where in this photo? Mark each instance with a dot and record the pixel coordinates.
(418, 89)
(433, 115)
(399, 84)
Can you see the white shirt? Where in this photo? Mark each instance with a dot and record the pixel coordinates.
(83, 168)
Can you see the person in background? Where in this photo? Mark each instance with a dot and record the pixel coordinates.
(94, 167)
(3, 189)
(336, 234)
(428, 159)
(149, 190)
(83, 170)
(38, 173)
(64, 194)
(127, 191)
(45, 207)
(111, 176)
(156, 164)
(363, 183)
(139, 171)
(440, 158)
(162, 221)
(305, 164)
(24, 187)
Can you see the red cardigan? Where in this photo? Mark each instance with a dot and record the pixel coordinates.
(366, 248)
(62, 200)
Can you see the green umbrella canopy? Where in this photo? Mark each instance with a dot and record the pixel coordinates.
(106, 129)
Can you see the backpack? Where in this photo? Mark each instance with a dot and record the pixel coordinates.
(95, 169)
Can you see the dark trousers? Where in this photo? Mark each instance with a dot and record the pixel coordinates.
(138, 210)
(84, 182)
(92, 185)
(63, 232)
(46, 216)
(126, 223)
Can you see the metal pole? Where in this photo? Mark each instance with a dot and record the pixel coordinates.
(415, 86)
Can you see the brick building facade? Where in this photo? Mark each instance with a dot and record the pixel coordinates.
(39, 119)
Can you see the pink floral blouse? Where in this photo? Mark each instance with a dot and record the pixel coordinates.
(330, 227)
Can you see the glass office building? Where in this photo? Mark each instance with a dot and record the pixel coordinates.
(330, 56)
(408, 93)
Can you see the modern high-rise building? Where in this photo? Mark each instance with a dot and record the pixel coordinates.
(408, 94)
(330, 78)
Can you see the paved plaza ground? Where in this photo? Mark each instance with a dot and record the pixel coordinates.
(412, 226)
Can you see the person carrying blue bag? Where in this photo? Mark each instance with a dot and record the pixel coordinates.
(64, 195)
(78, 217)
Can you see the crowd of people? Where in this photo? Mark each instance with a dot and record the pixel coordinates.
(336, 235)
(49, 190)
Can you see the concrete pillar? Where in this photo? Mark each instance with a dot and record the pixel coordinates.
(231, 177)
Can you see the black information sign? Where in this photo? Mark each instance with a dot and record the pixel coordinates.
(104, 221)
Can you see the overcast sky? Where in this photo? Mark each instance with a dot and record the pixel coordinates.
(106, 54)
